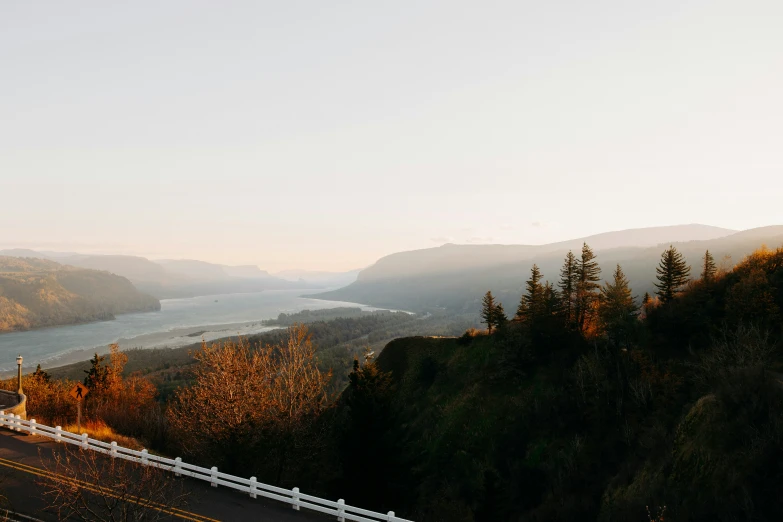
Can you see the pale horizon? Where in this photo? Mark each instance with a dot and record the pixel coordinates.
(152, 257)
(314, 137)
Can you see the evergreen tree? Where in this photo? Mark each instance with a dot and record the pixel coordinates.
(488, 311)
(567, 285)
(40, 374)
(98, 373)
(530, 305)
(552, 303)
(588, 274)
(672, 274)
(617, 308)
(709, 268)
(500, 316)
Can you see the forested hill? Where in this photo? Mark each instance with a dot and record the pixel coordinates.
(680, 412)
(36, 293)
(453, 277)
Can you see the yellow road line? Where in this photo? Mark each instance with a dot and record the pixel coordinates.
(88, 485)
(177, 512)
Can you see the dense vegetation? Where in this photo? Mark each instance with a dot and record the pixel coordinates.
(678, 408)
(587, 404)
(36, 293)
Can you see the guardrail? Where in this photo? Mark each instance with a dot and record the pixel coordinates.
(250, 486)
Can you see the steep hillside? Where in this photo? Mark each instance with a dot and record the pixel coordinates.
(172, 278)
(518, 426)
(36, 293)
(455, 276)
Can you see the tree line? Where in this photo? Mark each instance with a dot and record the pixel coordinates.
(580, 304)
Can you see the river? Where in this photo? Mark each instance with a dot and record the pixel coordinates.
(179, 322)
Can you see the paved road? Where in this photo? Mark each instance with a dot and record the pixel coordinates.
(21, 464)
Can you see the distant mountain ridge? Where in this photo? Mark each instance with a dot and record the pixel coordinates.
(174, 278)
(320, 277)
(459, 257)
(454, 277)
(37, 292)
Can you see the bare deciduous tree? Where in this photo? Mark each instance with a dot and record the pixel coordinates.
(243, 397)
(85, 485)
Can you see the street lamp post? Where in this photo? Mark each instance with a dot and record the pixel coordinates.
(19, 376)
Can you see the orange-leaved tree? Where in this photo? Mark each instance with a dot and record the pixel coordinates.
(252, 400)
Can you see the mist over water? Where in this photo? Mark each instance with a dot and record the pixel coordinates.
(212, 316)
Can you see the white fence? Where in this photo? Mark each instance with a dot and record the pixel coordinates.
(250, 486)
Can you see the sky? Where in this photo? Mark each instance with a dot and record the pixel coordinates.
(324, 135)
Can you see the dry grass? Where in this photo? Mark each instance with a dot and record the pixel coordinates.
(99, 430)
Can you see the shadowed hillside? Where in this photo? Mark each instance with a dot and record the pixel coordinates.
(682, 414)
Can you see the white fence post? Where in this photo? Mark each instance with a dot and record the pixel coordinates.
(15, 423)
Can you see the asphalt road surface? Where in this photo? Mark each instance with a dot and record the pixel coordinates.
(23, 460)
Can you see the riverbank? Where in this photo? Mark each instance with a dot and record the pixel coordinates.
(179, 322)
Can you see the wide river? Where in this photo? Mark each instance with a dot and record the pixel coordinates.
(179, 322)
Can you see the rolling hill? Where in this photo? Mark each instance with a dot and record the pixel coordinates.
(173, 278)
(454, 277)
(37, 292)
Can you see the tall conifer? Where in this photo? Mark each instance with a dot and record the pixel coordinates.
(709, 269)
(672, 274)
(588, 274)
(488, 311)
(499, 318)
(551, 300)
(567, 286)
(530, 305)
(617, 308)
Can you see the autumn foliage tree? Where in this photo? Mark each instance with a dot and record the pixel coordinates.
(126, 404)
(252, 398)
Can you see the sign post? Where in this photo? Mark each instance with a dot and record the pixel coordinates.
(79, 392)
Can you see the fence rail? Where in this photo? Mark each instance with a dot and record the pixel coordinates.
(251, 486)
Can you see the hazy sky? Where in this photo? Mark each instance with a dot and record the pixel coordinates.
(327, 134)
